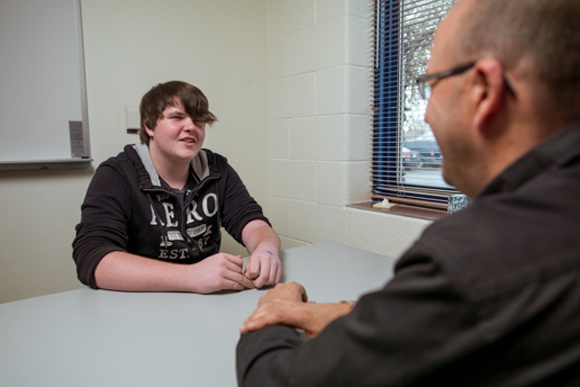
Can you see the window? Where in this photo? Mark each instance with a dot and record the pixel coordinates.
(406, 164)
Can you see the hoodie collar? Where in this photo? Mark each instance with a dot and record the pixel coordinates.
(199, 164)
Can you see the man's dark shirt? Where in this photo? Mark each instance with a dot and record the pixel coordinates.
(489, 296)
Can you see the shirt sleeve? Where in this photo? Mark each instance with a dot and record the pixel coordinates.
(238, 207)
(407, 333)
(103, 226)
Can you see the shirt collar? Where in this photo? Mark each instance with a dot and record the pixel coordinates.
(558, 150)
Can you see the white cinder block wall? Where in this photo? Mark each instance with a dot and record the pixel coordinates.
(320, 87)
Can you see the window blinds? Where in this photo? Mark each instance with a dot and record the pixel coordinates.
(406, 163)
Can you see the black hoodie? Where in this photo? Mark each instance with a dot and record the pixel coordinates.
(129, 208)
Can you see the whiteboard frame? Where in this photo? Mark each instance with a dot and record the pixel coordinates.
(83, 158)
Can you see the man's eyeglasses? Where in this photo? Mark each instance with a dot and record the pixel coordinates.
(425, 87)
(423, 81)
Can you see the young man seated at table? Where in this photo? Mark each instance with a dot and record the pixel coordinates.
(489, 296)
(152, 215)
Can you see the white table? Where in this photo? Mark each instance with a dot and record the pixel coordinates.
(92, 337)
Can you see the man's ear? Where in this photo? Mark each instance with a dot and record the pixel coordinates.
(149, 131)
(489, 90)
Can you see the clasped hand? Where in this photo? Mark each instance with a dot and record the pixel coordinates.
(288, 304)
(263, 268)
(224, 271)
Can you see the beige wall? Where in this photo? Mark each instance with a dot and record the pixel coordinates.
(288, 80)
(320, 88)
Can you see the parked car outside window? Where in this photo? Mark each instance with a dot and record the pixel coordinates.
(428, 149)
(411, 158)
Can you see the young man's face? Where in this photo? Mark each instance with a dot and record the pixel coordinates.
(177, 137)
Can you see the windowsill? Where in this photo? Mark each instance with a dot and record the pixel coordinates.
(403, 210)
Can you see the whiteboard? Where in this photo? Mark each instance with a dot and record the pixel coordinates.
(43, 112)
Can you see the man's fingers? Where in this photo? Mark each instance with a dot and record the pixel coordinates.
(239, 278)
(264, 270)
(264, 274)
(236, 260)
(260, 318)
(253, 268)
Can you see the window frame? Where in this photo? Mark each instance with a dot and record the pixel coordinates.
(390, 75)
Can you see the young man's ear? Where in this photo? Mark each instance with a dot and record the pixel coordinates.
(489, 90)
(149, 131)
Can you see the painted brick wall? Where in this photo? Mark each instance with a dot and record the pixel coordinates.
(320, 88)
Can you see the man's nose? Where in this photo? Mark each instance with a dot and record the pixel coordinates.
(188, 123)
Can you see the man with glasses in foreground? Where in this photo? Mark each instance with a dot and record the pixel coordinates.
(489, 296)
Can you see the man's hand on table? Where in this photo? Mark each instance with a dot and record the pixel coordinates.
(288, 304)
